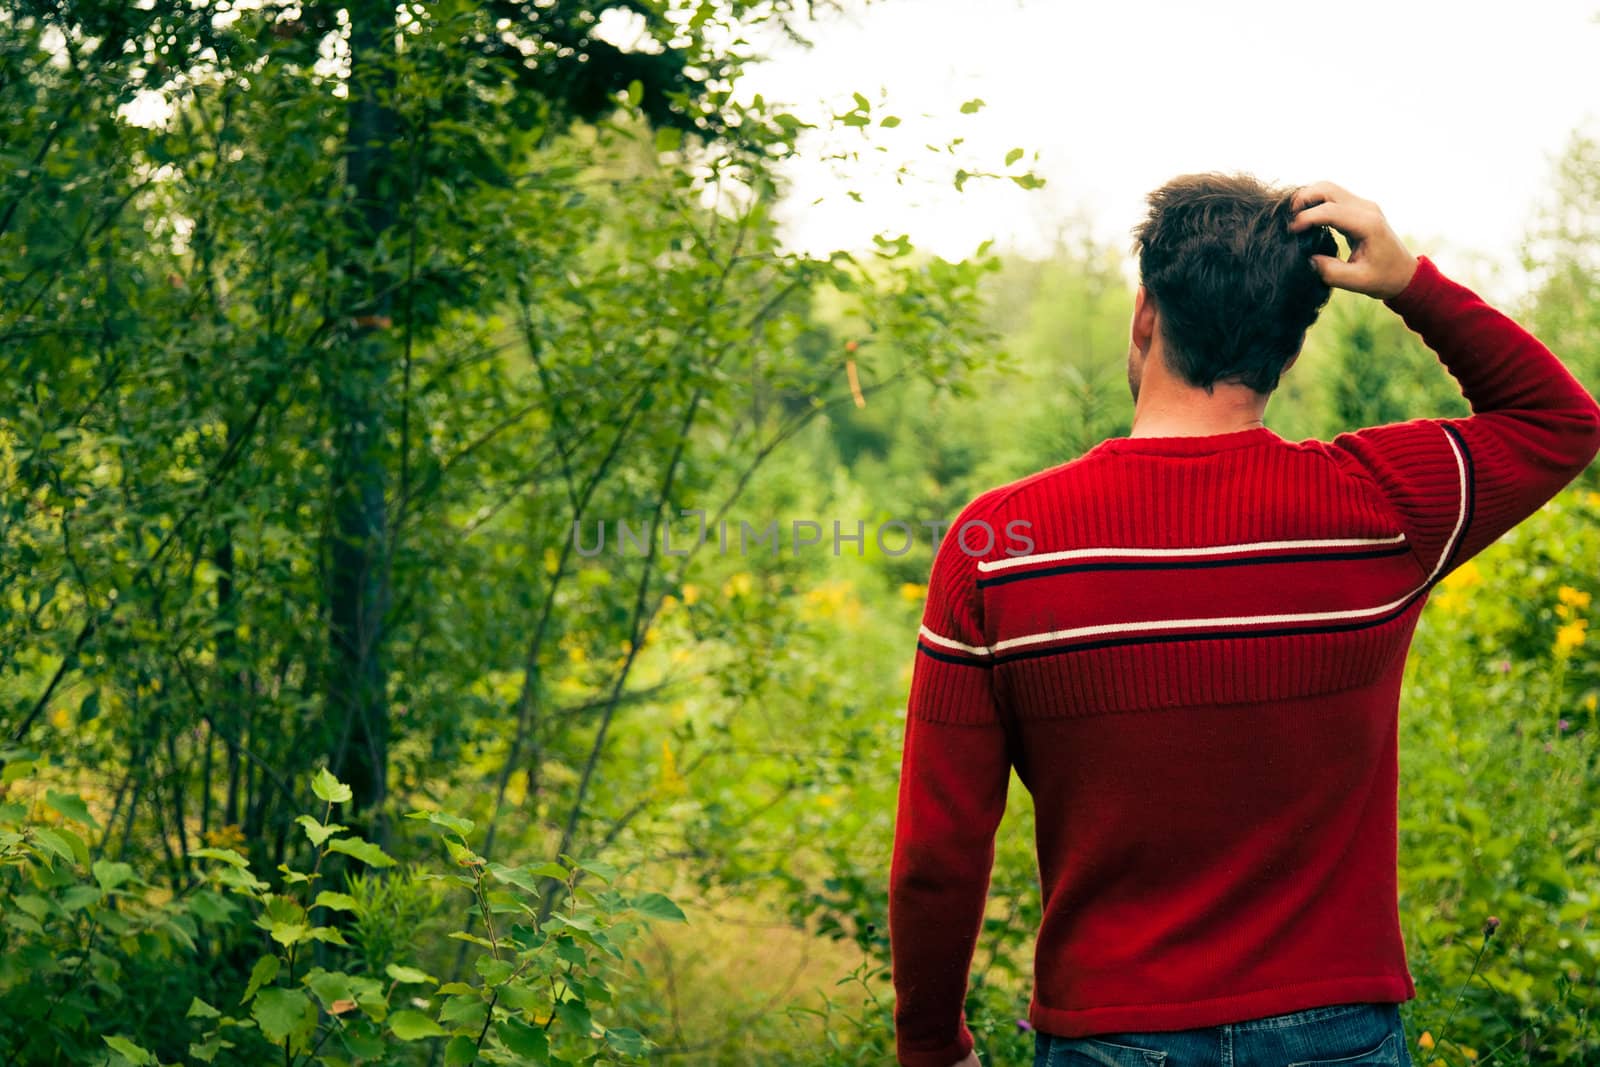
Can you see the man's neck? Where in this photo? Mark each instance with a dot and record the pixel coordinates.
(1194, 413)
(1190, 427)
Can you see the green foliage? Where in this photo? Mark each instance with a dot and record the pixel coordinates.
(535, 987)
(1499, 788)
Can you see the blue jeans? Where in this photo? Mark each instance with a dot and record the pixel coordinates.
(1340, 1035)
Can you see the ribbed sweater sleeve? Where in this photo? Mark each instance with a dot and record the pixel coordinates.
(954, 773)
(1458, 484)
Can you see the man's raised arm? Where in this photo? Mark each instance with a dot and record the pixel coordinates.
(1456, 484)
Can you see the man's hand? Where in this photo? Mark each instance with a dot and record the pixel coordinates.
(1379, 264)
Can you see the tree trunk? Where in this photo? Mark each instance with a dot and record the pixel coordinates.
(357, 700)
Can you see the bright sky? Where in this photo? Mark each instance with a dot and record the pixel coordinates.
(1448, 114)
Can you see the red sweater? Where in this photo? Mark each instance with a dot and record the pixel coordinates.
(1195, 670)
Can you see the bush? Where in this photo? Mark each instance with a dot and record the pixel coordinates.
(86, 945)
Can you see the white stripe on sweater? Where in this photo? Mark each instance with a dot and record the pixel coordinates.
(1221, 620)
(1183, 553)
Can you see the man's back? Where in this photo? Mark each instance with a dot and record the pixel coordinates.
(1195, 671)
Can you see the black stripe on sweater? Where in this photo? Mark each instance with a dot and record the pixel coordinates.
(1193, 564)
(945, 657)
(1213, 635)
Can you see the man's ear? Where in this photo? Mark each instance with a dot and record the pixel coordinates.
(1143, 326)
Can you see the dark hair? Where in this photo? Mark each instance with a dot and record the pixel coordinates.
(1236, 290)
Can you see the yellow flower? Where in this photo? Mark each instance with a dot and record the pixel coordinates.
(1570, 636)
(913, 591)
(228, 836)
(1453, 597)
(1426, 1040)
(1463, 577)
(1591, 702)
(1573, 597)
(737, 586)
(691, 593)
(670, 780)
(833, 599)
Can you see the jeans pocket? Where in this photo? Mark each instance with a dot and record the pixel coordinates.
(1093, 1052)
(1385, 1054)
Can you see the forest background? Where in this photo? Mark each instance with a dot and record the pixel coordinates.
(330, 734)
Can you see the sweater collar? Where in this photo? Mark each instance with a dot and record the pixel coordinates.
(1201, 445)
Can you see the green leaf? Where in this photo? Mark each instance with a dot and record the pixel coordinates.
(329, 788)
(600, 869)
(1013, 155)
(462, 1050)
(1028, 181)
(569, 951)
(265, 970)
(549, 870)
(668, 139)
(448, 821)
(410, 975)
(365, 851)
(468, 1011)
(226, 855)
(280, 909)
(129, 1051)
(462, 935)
(528, 1042)
(628, 1042)
(862, 103)
(329, 986)
(635, 92)
(199, 1009)
(972, 107)
(494, 971)
(284, 1014)
(32, 904)
(657, 906)
(80, 850)
(316, 831)
(71, 806)
(461, 854)
(890, 122)
(517, 876)
(80, 897)
(336, 901)
(206, 1051)
(413, 1026)
(575, 1017)
(111, 874)
(212, 907)
(54, 842)
(287, 934)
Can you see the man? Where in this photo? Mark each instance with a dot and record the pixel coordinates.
(1196, 669)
